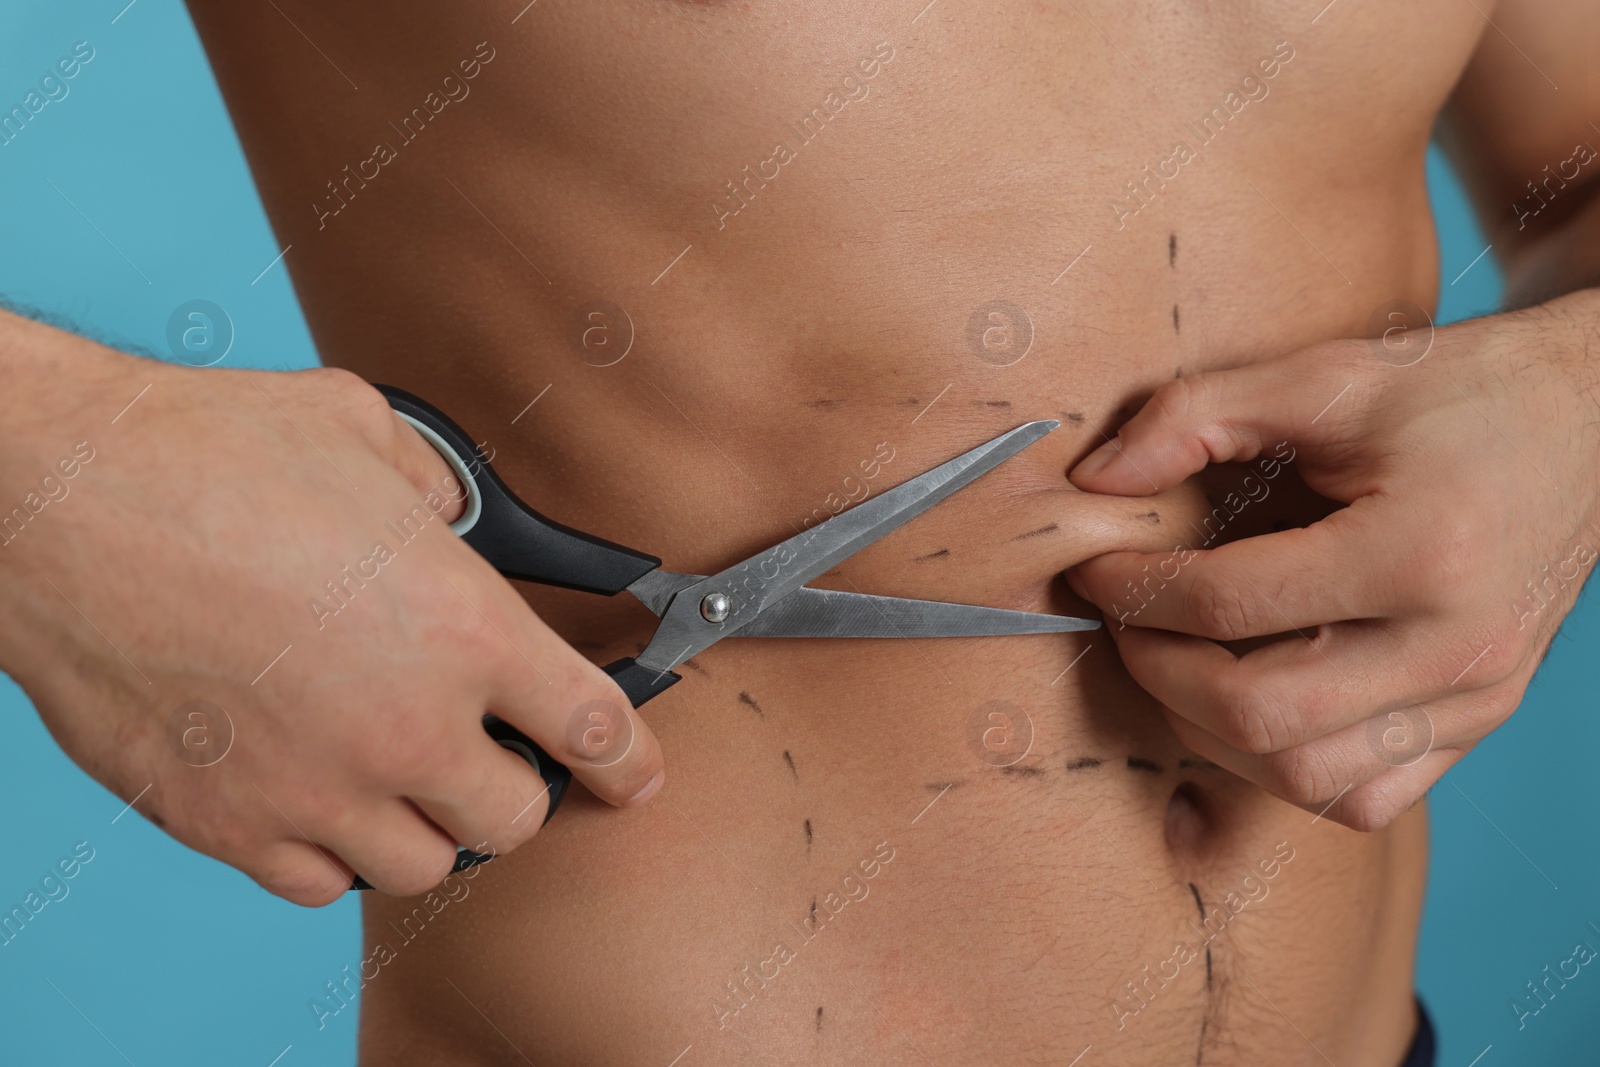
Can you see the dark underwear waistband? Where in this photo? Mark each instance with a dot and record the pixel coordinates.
(1423, 1049)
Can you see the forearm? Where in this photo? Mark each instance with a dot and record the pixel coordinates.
(56, 384)
(49, 373)
(61, 393)
(60, 389)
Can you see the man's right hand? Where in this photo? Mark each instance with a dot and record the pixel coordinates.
(184, 562)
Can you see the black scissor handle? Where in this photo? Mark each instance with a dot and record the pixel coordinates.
(519, 542)
(522, 544)
(640, 683)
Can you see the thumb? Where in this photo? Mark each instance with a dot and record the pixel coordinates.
(428, 471)
(1223, 417)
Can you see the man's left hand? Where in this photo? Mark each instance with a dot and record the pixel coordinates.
(1468, 470)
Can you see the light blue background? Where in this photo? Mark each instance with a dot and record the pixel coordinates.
(174, 959)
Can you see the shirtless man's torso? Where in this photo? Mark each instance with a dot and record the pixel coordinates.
(699, 273)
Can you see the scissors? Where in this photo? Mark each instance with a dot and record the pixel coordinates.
(763, 596)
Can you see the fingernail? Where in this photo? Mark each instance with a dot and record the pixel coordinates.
(1098, 460)
(650, 789)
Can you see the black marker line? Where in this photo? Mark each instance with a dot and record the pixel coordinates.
(1202, 909)
(1041, 531)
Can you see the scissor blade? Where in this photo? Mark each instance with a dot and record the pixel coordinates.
(791, 564)
(764, 580)
(831, 613)
(656, 589)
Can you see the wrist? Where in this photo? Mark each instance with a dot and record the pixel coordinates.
(56, 384)
(1568, 327)
(1570, 331)
(61, 394)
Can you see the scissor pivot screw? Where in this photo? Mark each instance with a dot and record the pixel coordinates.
(714, 607)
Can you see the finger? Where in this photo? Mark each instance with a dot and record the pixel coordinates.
(299, 872)
(1380, 801)
(1317, 775)
(488, 798)
(1222, 417)
(535, 681)
(1292, 691)
(1340, 568)
(594, 731)
(1372, 795)
(1309, 776)
(397, 849)
(573, 711)
(357, 405)
(427, 470)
